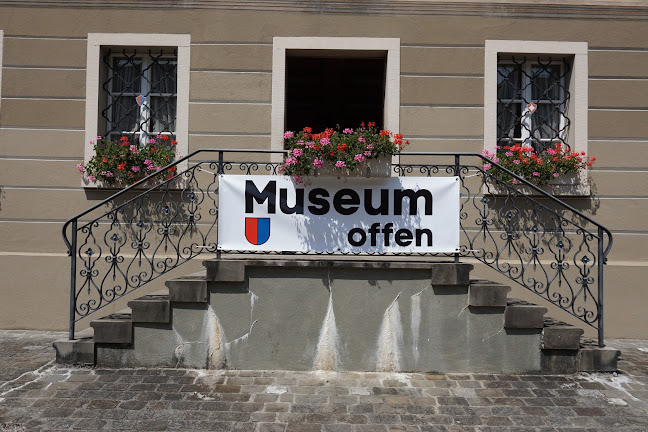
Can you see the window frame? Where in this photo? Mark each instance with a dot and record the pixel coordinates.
(94, 91)
(1, 57)
(145, 79)
(280, 44)
(578, 88)
(526, 89)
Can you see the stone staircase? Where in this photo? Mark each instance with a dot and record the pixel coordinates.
(336, 315)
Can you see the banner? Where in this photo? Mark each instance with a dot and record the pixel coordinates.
(397, 214)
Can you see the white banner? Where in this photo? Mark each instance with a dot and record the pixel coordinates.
(397, 214)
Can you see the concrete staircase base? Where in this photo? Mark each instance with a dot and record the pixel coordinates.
(336, 315)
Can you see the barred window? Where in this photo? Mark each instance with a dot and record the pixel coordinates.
(532, 101)
(140, 93)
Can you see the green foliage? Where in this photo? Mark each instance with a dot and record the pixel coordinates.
(344, 151)
(120, 163)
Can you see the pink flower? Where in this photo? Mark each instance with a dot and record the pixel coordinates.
(298, 152)
(370, 146)
(300, 142)
(310, 144)
(134, 149)
(340, 164)
(362, 140)
(556, 175)
(109, 174)
(288, 134)
(135, 168)
(367, 153)
(80, 168)
(514, 181)
(347, 131)
(516, 162)
(509, 153)
(487, 166)
(359, 157)
(318, 163)
(290, 161)
(99, 138)
(92, 178)
(148, 162)
(535, 174)
(551, 151)
(325, 141)
(91, 142)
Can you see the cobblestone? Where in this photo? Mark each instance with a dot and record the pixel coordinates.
(36, 394)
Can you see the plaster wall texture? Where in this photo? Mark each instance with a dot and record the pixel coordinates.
(42, 114)
(334, 319)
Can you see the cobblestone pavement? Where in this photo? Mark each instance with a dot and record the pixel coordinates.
(35, 394)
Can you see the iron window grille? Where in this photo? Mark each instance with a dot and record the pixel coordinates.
(532, 101)
(140, 89)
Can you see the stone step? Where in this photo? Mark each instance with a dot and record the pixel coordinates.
(560, 347)
(523, 315)
(152, 308)
(188, 289)
(558, 335)
(115, 328)
(484, 293)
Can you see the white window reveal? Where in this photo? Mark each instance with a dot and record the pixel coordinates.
(535, 93)
(137, 84)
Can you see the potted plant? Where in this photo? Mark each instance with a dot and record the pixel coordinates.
(364, 151)
(121, 163)
(557, 165)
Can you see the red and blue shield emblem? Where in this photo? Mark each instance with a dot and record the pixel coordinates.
(257, 230)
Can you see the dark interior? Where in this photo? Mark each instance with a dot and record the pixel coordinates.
(326, 92)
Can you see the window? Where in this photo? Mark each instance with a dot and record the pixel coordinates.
(140, 93)
(1, 44)
(532, 101)
(137, 85)
(329, 51)
(535, 92)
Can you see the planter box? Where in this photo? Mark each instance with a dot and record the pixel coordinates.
(380, 167)
(568, 185)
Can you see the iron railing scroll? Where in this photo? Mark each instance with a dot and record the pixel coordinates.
(522, 232)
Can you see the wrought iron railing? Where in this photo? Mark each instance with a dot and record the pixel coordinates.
(536, 241)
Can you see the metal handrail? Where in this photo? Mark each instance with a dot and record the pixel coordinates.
(488, 215)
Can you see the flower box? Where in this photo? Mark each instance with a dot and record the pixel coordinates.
(363, 152)
(120, 163)
(376, 168)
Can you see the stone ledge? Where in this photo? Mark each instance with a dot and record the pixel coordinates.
(115, 328)
(79, 351)
(488, 294)
(188, 289)
(524, 316)
(153, 308)
(562, 337)
(595, 359)
(442, 273)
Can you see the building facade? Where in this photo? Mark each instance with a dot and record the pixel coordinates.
(227, 75)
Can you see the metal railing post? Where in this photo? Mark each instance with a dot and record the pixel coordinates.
(601, 263)
(72, 253)
(457, 160)
(220, 172)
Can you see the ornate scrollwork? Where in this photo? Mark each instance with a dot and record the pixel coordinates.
(540, 245)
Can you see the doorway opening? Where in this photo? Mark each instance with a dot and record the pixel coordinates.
(334, 88)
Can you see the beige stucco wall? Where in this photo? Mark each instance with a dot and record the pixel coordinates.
(441, 97)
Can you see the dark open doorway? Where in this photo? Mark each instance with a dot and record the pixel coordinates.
(331, 88)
